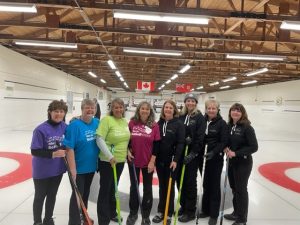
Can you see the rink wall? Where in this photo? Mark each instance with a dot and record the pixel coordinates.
(27, 86)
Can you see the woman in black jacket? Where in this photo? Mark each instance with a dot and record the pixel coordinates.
(216, 138)
(170, 151)
(242, 143)
(195, 129)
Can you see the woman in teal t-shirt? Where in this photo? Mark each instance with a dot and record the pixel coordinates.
(113, 130)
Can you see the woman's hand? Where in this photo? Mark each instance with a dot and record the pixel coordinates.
(112, 161)
(151, 167)
(73, 173)
(59, 153)
(173, 166)
(130, 157)
(230, 154)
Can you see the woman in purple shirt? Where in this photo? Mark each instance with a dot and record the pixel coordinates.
(47, 162)
(144, 141)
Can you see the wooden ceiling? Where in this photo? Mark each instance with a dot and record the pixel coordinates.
(235, 26)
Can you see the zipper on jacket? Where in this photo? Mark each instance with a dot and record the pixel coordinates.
(165, 128)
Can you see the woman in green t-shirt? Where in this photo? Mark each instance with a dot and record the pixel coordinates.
(112, 131)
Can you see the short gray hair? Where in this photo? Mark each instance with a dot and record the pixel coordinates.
(212, 101)
(87, 101)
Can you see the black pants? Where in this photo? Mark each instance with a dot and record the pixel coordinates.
(188, 199)
(83, 182)
(147, 193)
(106, 204)
(238, 174)
(45, 188)
(163, 173)
(211, 187)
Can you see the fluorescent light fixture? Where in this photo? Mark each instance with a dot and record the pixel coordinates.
(192, 89)
(290, 25)
(168, 81)
(52, 44)
(111, 64)
(185, 68)
(118, 73)
(263, 70)
(152, 51)
(229, 79)
(103, 81)
(125, 84)
(200, 87)
(255, 57)
(92, 74)
(121, 79)
(214, 83)
(159, 16)
(162, 86)
(249, 82)
(224, 87)
(174, 77)
(17, 7)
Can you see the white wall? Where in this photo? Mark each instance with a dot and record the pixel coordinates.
(18, 113)
(273, 107)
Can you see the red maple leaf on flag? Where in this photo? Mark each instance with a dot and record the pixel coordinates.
(146, 85)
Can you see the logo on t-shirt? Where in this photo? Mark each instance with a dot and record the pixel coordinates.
(148, 130)
(90, 135)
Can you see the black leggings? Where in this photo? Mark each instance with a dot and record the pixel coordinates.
(238, 176)
(106, 203)
(83, 182)
(147, 191)
(45, 188)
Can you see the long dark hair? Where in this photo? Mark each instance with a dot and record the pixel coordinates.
(244, 118)
(151, 118)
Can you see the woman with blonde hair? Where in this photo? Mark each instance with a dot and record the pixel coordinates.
(194, 125)
(216, 137)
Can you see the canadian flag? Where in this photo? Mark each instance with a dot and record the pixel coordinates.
(145, 86)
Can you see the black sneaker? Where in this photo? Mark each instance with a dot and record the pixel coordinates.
(115, 219)
(186, 218)
(169, 220)
(231, 216)
(212, 221)
(131, 219)
(146, 221)
(238, 223)
(48, 222)
(38, 223)
(158, 218)
(180, 211)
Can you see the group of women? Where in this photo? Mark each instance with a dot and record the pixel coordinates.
(146, 145)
